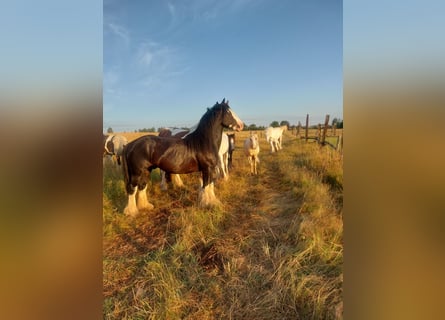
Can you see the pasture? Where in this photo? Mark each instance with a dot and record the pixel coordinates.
(274, 250)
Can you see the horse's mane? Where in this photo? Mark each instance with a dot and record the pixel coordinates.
(205, 136)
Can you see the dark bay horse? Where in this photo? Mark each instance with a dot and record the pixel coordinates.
(197, 151)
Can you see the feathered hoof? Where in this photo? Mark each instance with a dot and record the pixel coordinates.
(207, 199)
(131, 211)
(146, 206)
(210, 205)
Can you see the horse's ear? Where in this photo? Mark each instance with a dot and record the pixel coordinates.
(223, 100)
(227, 102)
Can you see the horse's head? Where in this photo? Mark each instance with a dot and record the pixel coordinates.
(253, 140)
(229, 117)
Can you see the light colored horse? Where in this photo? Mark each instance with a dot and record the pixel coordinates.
(223, 160)
(251, 150)
(114, 145)
(274, 136)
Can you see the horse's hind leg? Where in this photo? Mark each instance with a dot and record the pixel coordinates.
(164, 186)
(176, 180)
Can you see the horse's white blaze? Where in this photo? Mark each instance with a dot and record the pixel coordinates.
(240, 124)
(131, 208)
(142, 202)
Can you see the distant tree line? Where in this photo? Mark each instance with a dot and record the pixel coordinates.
(152, 129)
(274, 124)
(338, 123)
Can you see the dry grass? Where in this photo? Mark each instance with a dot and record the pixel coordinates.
(274, 251)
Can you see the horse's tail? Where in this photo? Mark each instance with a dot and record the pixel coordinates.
(125, 166)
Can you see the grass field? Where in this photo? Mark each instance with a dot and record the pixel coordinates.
(273, 251)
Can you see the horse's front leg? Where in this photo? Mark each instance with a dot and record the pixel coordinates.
(131, 208)
(207, 196)
(142, 202)
(272, 145)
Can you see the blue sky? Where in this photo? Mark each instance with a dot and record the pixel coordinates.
(165, 62)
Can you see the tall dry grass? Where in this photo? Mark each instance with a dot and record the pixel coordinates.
(273, 251)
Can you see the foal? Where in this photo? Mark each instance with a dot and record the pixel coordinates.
(252, 149)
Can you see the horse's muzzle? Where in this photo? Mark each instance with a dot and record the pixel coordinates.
(239, 126)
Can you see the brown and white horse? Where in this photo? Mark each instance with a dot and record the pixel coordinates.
(114, 145)
(197, 151)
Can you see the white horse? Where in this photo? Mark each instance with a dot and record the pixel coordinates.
(274, 136)
(252, 149)
(223, 157)
(114, 145)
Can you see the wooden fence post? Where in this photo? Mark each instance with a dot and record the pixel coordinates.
(340, 143)
(307, 126)
(325, 129)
